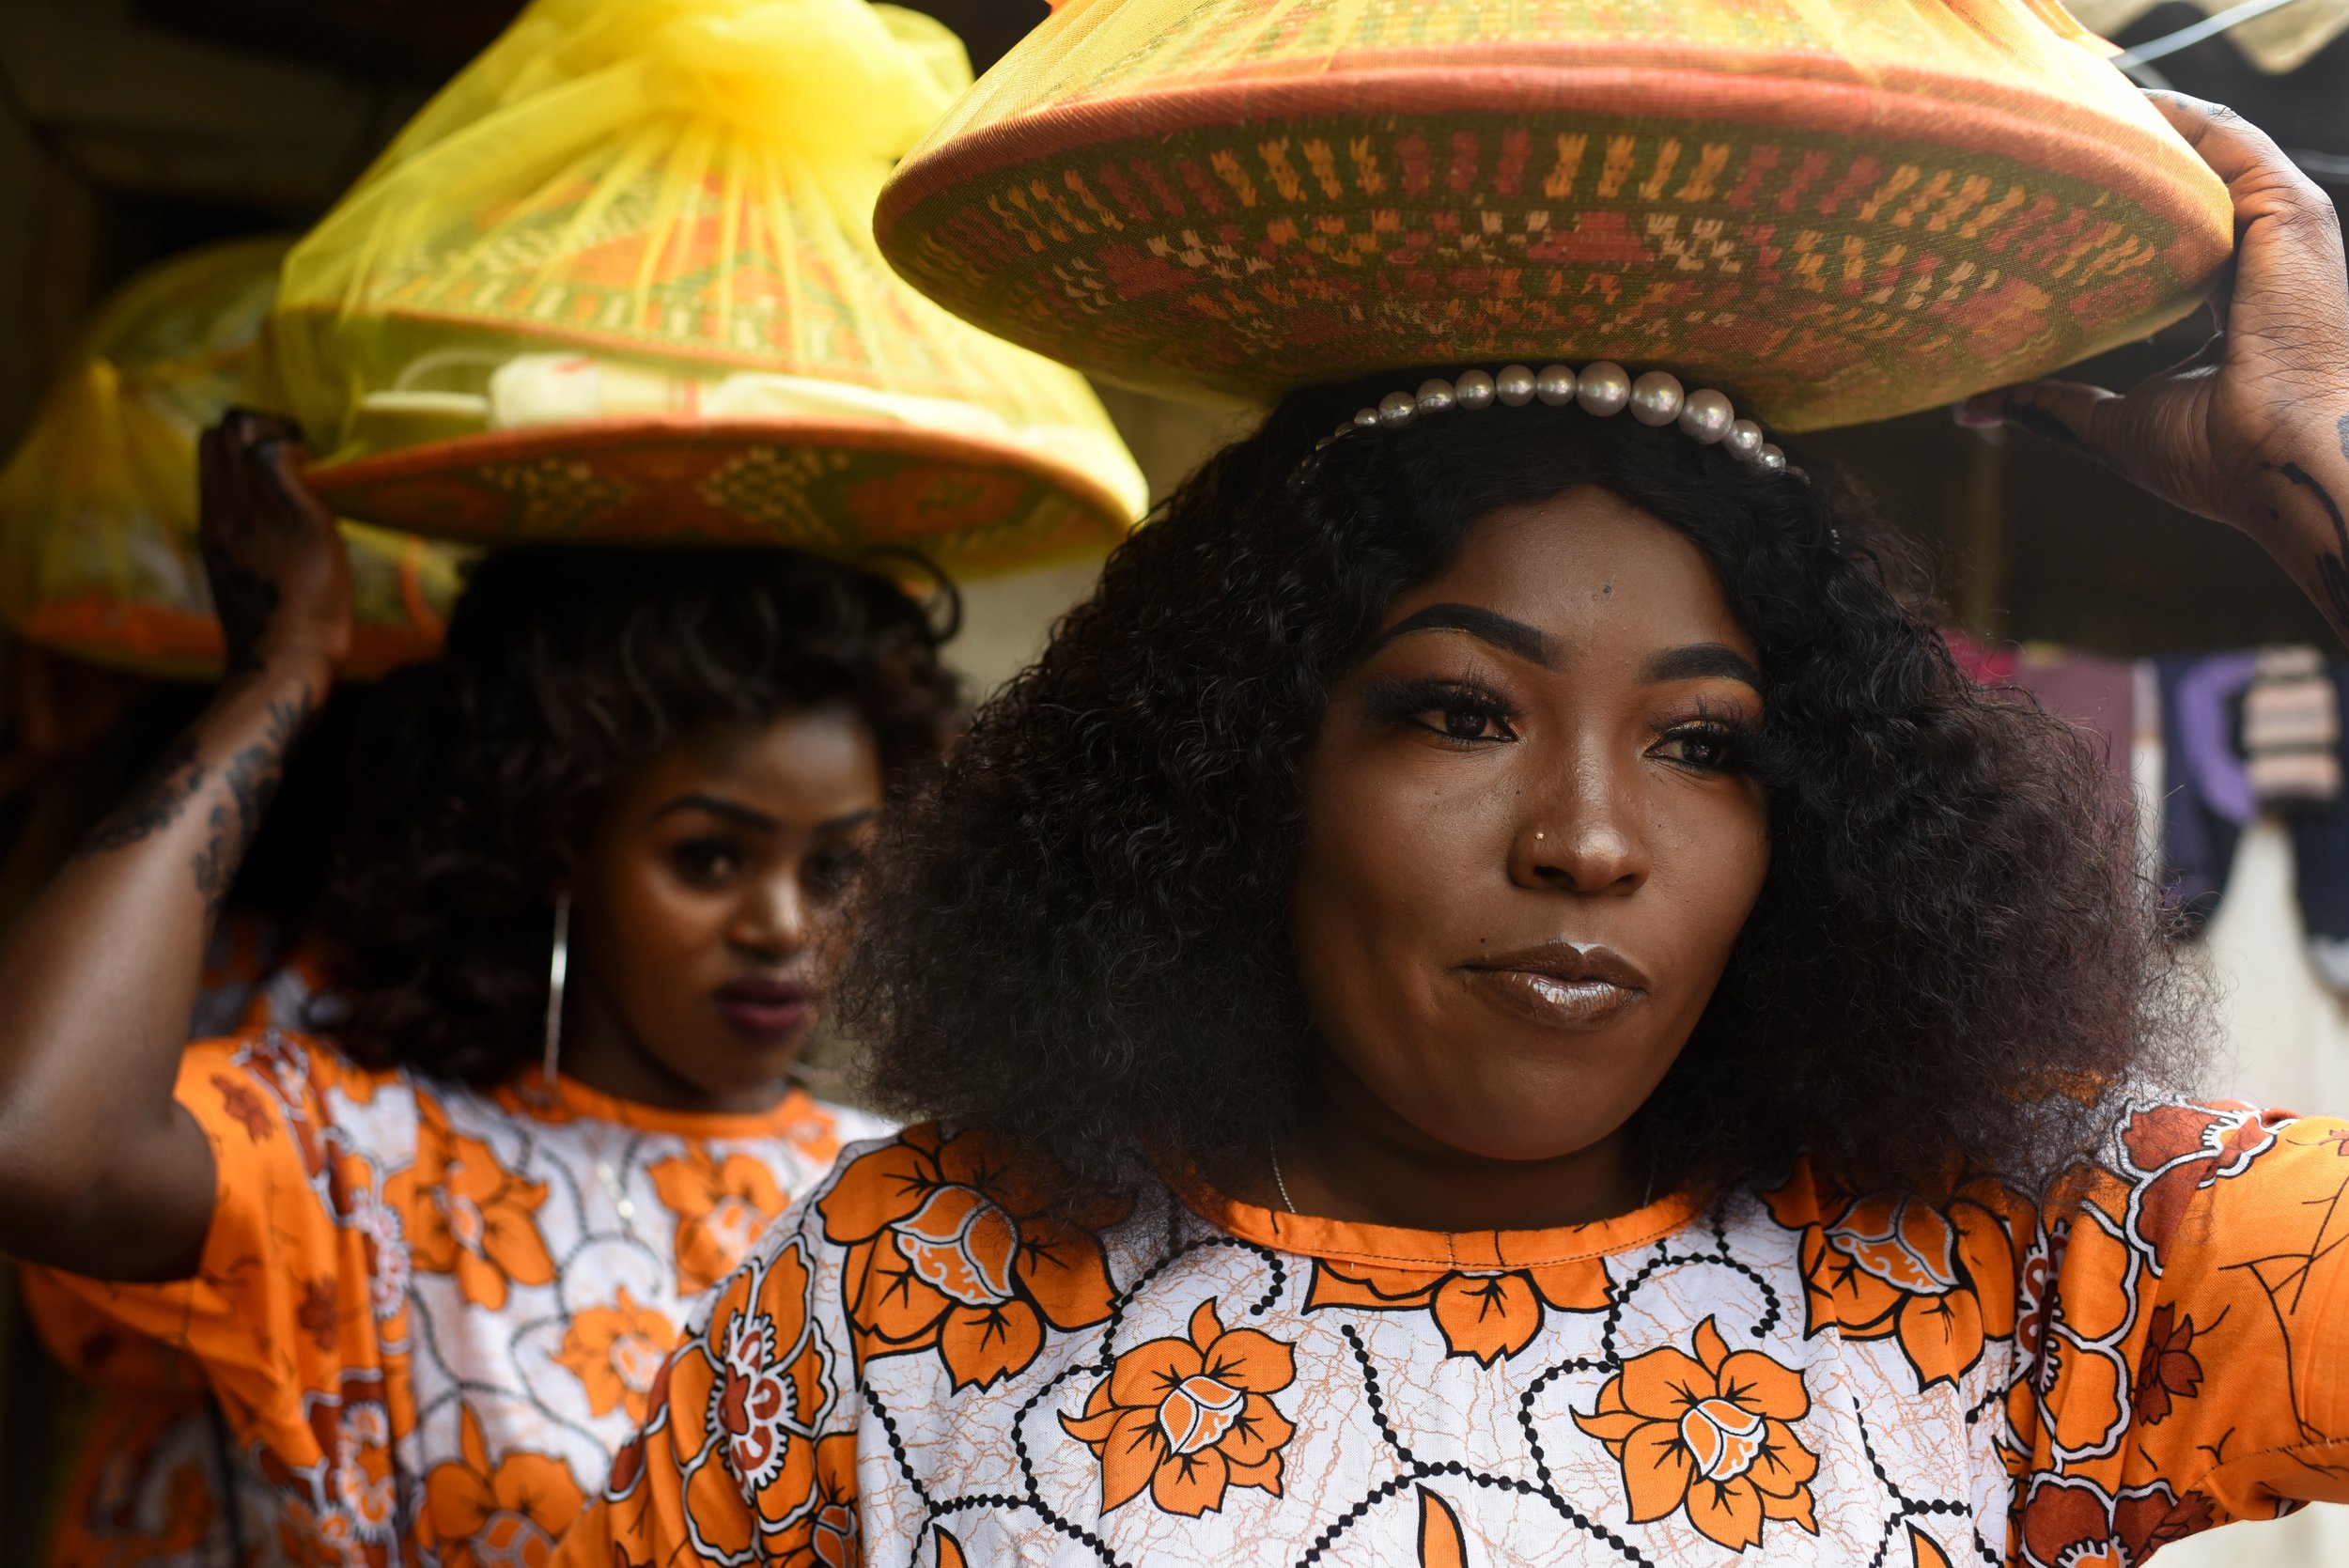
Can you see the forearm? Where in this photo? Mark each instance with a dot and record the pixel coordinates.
(99, 975)
(2304, 515)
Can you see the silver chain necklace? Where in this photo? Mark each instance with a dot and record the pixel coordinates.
(1278, 1180)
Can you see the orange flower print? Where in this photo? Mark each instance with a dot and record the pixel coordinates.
(1189, 1419)
(721, 1209)
(1440, 1542)
(761, 1386)
(2167, 1371)
(1485, 1313)
(832, 1539)
(1941, 1281)
(2168, 1153)
(2069, 1522)
(1709, 1434)
(953, 1247)
(615, 1352)
(506, 1515)
(474, 1217)
(346, 1465)
(243, 1106)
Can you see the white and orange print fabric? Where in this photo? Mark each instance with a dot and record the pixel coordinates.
(928, 1365)
(428, 1314)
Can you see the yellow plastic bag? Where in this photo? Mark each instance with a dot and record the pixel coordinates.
(98, 507)
(618, 281)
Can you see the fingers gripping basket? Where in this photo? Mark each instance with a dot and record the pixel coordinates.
(1833, 210)
(619, 282)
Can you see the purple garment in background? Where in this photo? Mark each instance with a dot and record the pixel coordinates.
(2207, 798)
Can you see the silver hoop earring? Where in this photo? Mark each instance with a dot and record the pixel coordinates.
(558, 969)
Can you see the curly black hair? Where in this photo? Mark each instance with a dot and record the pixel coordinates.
(478, 775)
(1080, 938)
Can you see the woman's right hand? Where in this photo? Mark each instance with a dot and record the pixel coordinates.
(280, 572)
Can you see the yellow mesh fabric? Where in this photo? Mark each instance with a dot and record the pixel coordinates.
(618, 281)
(1836, 209)
(98, 507)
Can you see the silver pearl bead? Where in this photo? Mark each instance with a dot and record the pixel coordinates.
(1515, 385)
(1397, 408)
(1555, 384)
(1744, 439)
(1656, 398)
(1771, 457)
(1604, 388)
(1474, 389)
(1365, 419)
(1435, 395)
(1707, 415)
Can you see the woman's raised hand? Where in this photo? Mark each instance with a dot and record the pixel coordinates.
(99, 1170)
(2253, 430)
(279, 569)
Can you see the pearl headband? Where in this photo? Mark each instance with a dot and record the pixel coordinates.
(1604, 388)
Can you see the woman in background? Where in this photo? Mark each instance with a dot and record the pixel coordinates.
(424, 1260)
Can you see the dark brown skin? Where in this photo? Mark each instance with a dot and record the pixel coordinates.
(728, 859)
(2253, 430)
(722, 860)
(1549, 784)
(1447, 1104)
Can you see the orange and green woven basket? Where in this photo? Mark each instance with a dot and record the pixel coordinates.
(1835, 212)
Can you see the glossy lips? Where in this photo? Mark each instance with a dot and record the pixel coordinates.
(1560, 984)
(764, 1010)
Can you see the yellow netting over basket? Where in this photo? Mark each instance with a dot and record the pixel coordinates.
(618, 281)
(98, 507)
(1834, 209)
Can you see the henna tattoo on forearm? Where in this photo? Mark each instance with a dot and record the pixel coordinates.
(252, 777)
(2332, 565)
(153, 805)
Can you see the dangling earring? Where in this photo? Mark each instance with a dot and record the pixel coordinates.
(559, 968)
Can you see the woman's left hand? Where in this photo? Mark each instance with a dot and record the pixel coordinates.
(2253, 430)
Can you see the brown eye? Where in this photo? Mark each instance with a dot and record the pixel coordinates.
(1704, 749)
(1466, 726)
(706, 862)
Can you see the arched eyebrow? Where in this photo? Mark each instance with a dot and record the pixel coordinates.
(1703, 661)
(1530, 643)
(742, 815)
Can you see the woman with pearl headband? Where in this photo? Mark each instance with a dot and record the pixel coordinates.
(1495, 996)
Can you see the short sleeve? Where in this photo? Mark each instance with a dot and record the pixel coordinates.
(748, 1452)
(2183, 1333)
(282, 1304)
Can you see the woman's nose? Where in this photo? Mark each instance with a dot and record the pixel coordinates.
(1583, 838)
(772, 920)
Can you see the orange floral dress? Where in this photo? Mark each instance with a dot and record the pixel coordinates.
(926, 1364)
(425, 1314)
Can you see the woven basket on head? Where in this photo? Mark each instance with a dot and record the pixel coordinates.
(1835, 210)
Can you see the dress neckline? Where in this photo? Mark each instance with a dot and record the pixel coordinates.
(572, 1100)
(1400, 1246)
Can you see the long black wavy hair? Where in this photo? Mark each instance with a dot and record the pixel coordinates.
(1080, 938)
(477, 776)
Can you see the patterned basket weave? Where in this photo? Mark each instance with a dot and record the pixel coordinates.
(98, 506)
(618, 282)
(1834, 210)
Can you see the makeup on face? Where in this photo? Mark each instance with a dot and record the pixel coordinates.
(1533, 832)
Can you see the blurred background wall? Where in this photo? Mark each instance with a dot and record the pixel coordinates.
(133, 129)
